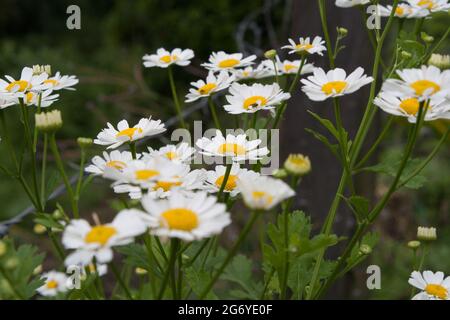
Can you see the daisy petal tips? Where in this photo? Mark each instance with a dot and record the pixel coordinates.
(164, 58)
(335, 83)
(305, 45)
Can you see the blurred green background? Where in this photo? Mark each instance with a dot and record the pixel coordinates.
(106, 54)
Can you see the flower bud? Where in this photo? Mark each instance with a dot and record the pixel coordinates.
(37, 270)
(39, 229)
(11, 263)
(270, 54)
(48, 121)
(280, 173)
(3, 248)
(84, 142)
(140, 271)
(426, 234)
(426, 37)
(40, 69)
(406, 54)
(440, 61)
(297, 164)
(57, 214)
(414, 244)
(365, 249)
(342, 32)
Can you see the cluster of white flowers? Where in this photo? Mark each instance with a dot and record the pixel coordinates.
(35, 87)
(407, 9)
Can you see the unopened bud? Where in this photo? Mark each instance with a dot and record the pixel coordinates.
(11, 263)
(297, 164)
(3, 247)
(406, 55)
(40, 69)
(426, 234)
(37, 270)
(140, 271)
(342, 32)
(48, 121)
(280, 173)
(365, 249)
(84, 142)
(270, 54)
(440, 61)
(414, 244)
(426, 37)
(39, 229)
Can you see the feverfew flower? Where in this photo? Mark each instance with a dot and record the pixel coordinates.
(115, 160)
(216, 177)
(114, 138)
(263, 193)
(55, 283)
(219, 61)
(164, 58)
(437, 107)
(297, 164)
(423, 83)
(58, 82)
(44, 99)
(334, 83)
(212, 85)
(433, 286)
(426, 234)
(350, 3)
(91, 242)
(292, 66)
(249, 99)
(26, 82)
(7, 99)
(260, 72)
(182, 153)
(238, 148)
(185, 217)
(442, 61)
(48, 121)
(305, 45)
(403, 10)
(431, 5)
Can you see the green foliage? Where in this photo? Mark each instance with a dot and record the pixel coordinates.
(17, 280)
(240, 271)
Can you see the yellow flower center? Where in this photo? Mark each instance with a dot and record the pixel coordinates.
(233, 148)
(254, 101)
(231, 182)
(421, 86)
(399, 11)
(179, 219)
(304, 46)
(145, 174)
(168, 58)
(22, 84)
(262, 197)
(436, 290)
(426, 4)
(171, 155)
(207, 88)
(53, 82)
(100, 234)
(52, 284)
(166, 185)
(289, 67)
(129, 132)
(119, 165)
(29, 97)
(228, 63)
(410, 106)
(334, 87)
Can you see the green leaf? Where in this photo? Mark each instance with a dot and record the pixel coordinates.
(198, 280)
(47, 220)
(334, 148)
(326, 123)
(359, 206)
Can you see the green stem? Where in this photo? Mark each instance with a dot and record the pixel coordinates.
(230, 255)
(323, 19)
(133, 149)
(170, 267)
(43, 170)
(80, 176)
(175, 98)
(63, 174)
(121, 281)
(266, 286)
(212, 107)
(225, 180)
(275, 68)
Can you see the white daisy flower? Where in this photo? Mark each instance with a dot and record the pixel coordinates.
(212, 85)
(238, 148)
(403, 10)
(260, 72)
(182, 153)
(164, 58)
(334, 83)
(249, 99)
(114, 138)
(45, 98)
(99, 269)
(115, 160)
(58, 82)
(431, 5)
(219, 61)
(55, 283)
(292, 66)
(263, 193)
(215, 179)
(26, 82)
(350, 3)
(96, 241)
(433, 286)
(425, 82)
(438, 108)
(305, 45)
(7, 99)
(185, 217)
